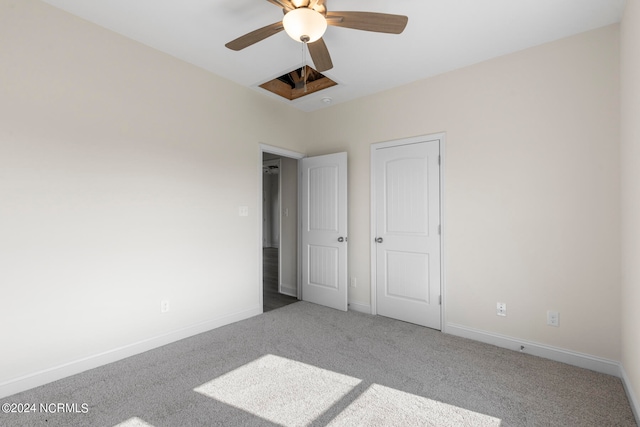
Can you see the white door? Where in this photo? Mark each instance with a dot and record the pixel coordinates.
(324, 230)
(407, 232)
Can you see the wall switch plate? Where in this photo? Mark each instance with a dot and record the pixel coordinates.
(553, 318)
(243, 210)
(501, 309)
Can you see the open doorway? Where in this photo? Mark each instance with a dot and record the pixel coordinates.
(279, 230)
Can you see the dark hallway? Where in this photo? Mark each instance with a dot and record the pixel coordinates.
(272, 299)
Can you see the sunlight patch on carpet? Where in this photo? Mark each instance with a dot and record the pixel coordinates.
(280, 390)
(383, 406)
(133, 422)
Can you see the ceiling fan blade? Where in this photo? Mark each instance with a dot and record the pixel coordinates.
(255, 36)
(368, 21)
(285, 4)
(320, 55)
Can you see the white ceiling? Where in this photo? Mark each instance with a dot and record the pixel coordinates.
(441, 35)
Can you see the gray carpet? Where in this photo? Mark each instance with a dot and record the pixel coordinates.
(308, 365)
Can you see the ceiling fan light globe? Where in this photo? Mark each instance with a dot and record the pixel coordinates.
(304, 22)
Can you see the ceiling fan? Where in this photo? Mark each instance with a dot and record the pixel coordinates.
(306, 21)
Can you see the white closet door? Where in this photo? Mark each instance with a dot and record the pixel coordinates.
(407, 238)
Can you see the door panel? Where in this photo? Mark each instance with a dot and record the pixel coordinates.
(323, 266)
(406, 208)
(403, 269)
(324, 223)
(407, 219)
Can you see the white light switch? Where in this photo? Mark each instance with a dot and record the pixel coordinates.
(243, 210)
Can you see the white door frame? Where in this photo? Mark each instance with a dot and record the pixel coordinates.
(264, 148)
(413, 140)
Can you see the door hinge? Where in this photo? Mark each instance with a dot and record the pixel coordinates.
(440, 300)
(439, 160)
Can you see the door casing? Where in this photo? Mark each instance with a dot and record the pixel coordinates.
(264, 148)
(413, 140)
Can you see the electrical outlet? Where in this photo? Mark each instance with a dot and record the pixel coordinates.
(501, 309)
(164, 306)
(353, 283)
(553, 318)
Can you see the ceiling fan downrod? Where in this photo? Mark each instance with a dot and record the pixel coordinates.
(304, 39)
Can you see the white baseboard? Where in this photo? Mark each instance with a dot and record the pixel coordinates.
(26, 382)
(292, 291)
(633, 401)
(360, 308)
(581, 360)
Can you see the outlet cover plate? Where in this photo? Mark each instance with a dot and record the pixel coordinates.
(164, 306)
(501, 309)
(553, 318)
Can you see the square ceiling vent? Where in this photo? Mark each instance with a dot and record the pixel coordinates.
(292, 85)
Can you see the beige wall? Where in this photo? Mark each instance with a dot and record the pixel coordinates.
(630, 132)
(121, 173)
(531, 187)
(116, 164)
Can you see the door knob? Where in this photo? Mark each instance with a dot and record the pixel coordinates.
(342, 239)
(378, 240)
